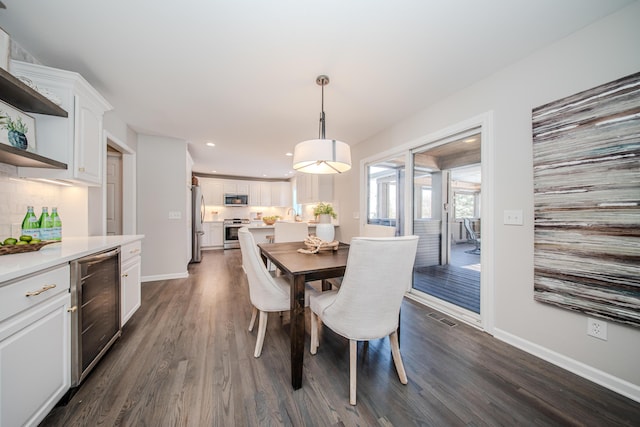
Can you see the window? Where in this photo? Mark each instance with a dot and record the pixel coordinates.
(384, 188)
(464, 205)
(425, 208)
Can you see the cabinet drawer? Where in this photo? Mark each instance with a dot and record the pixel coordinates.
(33, 290)
(130, 250)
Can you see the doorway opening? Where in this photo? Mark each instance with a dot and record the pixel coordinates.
(114, 191)
(117, 198)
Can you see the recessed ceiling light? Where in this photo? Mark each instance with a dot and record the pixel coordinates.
(469, 140)
(214, 171)
(211, 144)
(289, 154)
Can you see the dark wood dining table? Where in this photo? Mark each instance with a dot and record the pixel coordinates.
(302, 268)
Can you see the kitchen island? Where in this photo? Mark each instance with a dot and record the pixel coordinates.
(261, 231)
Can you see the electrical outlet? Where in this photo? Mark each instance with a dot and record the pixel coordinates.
(175, 215)
(597, 328)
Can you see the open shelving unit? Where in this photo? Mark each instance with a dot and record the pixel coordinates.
(21, 96)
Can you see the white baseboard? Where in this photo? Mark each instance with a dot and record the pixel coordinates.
(182, 275)
(619, 385)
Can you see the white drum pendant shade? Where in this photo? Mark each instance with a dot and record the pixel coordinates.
(322, 156)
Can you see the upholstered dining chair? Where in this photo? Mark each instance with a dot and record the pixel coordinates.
(373, 230)
(267, 293)
(290, 231)
(367, 305)
(369, 230)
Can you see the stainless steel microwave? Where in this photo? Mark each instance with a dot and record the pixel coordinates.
(236, 200)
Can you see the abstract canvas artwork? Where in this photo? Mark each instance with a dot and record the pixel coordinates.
(586, 168)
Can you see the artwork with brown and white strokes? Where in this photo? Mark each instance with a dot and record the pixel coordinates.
(586, 169)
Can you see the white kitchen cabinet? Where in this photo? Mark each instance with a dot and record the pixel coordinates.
(314, 188)
(35, 333)
(260, 193)
(281, 194)
(130, 289)
(217, 234)
(205, 239)
(236, 187)
(76, 140)
(212, 191)
(213, 237)
(276, 193)
(265, 194)
(254, 194)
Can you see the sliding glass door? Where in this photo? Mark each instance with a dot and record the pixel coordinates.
(446, 202)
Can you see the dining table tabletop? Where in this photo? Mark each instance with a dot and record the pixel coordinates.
(302, 268)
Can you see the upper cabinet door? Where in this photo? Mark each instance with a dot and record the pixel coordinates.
(212, 191)
(90, 149)
(281, 194)
(314, 188)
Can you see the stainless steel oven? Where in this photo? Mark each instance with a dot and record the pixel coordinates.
(95, 306)
(231, 227)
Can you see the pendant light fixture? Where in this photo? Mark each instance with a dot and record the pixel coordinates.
(322, 156)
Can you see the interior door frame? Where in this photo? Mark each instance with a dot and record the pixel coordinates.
(484, 124)
(98, 195)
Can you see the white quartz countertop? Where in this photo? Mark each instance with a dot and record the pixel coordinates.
(70, 248)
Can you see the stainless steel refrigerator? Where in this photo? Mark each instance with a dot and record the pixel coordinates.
(197, 222)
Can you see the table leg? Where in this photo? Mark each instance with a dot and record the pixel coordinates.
(297, 330)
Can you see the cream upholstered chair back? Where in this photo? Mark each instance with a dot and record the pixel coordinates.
(265, 292)
(290, 231)
(373, 230)
(378, 274)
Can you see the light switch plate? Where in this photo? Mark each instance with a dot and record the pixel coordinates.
(513, 217)
(175, 215)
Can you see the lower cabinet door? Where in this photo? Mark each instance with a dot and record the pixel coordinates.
(130, 294)
(34, 362)
(217, 235)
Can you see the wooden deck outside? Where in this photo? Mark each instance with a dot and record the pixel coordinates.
(457, 282)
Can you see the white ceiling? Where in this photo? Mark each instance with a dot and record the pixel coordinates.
(241, 73)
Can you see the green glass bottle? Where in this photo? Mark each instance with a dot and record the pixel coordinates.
(46, 225)
(56, 227)
(30, 224)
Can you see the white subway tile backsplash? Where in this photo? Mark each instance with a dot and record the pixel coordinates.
(16, 194)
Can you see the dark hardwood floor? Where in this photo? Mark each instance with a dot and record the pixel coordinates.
(186, 359)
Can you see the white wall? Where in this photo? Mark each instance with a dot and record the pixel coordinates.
(161, 172)
(112, 123)
(602, 52)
